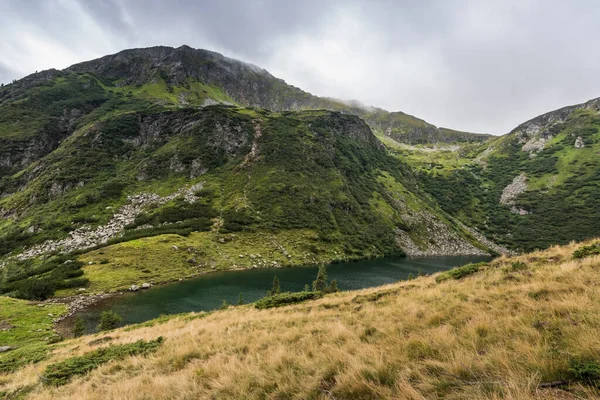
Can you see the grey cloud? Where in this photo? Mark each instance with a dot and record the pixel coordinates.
(474, 65)
(5, 74)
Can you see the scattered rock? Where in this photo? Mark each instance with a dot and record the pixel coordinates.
(86, 237)
(146, 285)
(134, 288)
(513, 190)
(6, 348)
(5, 326)
(579, 143)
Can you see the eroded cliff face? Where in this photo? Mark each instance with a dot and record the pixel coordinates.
(18, 152)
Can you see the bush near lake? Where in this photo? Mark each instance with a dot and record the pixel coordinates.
(460, 272)
(109, 320)
(284, 299)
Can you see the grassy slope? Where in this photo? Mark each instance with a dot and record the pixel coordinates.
(498, 333)
(31, 331)
(439, 158)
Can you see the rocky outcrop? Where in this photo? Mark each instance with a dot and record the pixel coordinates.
(85, 238)
(426, 234)
(405, 128)
(438, 239)
(482, 239)
(512, 191)
(536, 133)
(579, 144)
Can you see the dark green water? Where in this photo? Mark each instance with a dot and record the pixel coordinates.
(207, 292)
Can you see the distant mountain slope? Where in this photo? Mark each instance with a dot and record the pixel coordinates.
(536, 186)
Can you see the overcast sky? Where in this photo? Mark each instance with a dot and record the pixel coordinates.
(481, 66)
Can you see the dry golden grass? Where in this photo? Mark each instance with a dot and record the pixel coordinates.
(496, 334)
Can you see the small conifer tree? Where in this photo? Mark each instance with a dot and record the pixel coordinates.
(333, 287)
(276, 289)
(78, 327)
(109, 320)
(320, 284)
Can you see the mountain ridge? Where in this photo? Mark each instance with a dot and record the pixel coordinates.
(213, 68)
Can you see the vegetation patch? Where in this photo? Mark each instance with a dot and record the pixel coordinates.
(587, 251)
(585, 371)
(284, 299)
(15, 359)
(61, 373)
(29, 328)
(39, 280)
(460, 272)
(373, 297)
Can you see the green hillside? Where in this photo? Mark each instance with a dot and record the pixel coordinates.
(108, 163)
(548, 170)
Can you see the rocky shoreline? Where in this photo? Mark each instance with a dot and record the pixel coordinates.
(78, 303)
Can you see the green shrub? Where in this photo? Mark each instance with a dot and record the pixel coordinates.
(284, 299)
(460, 272)
(78, 327)
(15, 359)
(109, 320)
(585, 371)
(333, 287)
(34, 289)
(61, 372)
(586, 251)
(40, 283)
(518, 266)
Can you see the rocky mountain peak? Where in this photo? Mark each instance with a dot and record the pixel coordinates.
(174, 65)
(535, 133)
